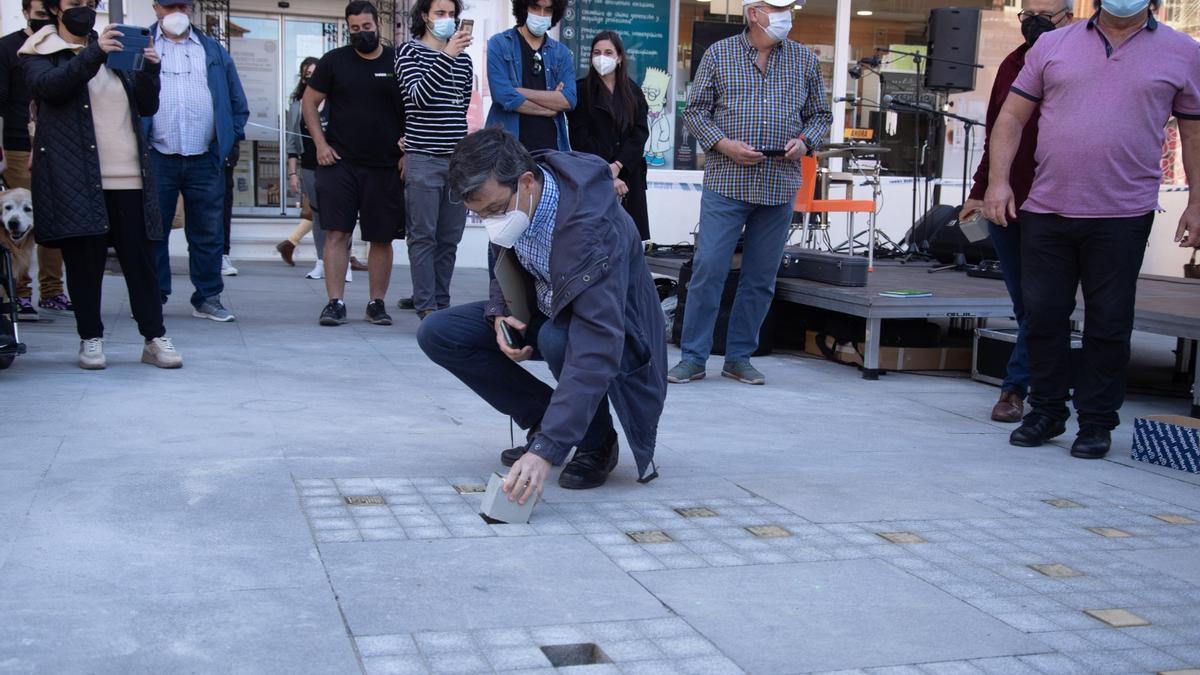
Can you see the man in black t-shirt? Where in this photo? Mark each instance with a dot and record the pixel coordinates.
(358, 153)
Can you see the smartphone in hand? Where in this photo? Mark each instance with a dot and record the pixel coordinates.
(512, 336)
(772, 152)
(134, 40)
(467, 26)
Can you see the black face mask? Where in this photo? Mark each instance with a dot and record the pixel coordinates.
(1033, 28)
(37, 24)
(365, 41)
(79, 21)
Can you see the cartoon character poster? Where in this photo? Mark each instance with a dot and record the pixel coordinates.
(656, 87)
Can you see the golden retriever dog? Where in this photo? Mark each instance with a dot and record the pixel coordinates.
(16, 228)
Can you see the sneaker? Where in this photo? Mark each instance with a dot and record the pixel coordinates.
(227, 268)
(25, 311)
(318, 271)
(58, 303)
(334, 313)
(91, 354)
(213, 309)
(685, 371)
(743, 372)
(286, 249)
(349, 275)
(357, 265)
(161, 353)
(377, 313)
(406, 304)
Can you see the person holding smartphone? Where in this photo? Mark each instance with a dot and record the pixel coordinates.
(435, 76)
(92, 184)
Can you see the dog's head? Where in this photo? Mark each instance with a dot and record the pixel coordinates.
(16, 213)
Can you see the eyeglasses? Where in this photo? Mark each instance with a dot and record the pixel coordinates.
(1025, 15)
(537, 63)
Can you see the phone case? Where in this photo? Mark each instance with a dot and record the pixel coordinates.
(134, 39)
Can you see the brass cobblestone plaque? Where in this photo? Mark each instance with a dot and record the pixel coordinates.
(364, 500)
(1057, 570)
(1110, 532)
(768, 531)
(902, 537)
(696, 512)
(650, 537)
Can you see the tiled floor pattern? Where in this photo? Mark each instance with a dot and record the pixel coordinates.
(1010, 567)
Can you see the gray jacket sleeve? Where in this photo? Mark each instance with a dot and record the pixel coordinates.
(294, 145)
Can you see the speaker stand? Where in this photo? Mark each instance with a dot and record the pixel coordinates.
(959, 264)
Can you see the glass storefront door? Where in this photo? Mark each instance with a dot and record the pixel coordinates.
(267, 51)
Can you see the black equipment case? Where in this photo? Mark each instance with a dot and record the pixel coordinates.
(829, 268)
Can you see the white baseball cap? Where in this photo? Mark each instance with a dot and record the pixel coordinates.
(774, 3)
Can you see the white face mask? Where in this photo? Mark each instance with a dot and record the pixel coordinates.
(538, 25)
(604, 64)
(505, 229)
(780, 26)
(176, 23)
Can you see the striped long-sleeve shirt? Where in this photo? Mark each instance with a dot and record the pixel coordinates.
(436, 90)
(731, 98)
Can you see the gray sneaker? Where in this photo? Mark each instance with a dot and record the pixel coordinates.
(685, 371)
(742, 371)
(213, 309)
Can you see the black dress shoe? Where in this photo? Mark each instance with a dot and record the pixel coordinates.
(1036, 429)
(510, 456)
(590, 468)
(1093, 442)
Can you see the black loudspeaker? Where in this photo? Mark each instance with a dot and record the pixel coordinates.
(938, 234)
(953, 35)
(766, 334)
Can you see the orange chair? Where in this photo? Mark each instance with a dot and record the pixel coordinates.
(807, 203)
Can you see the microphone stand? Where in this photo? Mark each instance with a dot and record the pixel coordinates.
(918, 59)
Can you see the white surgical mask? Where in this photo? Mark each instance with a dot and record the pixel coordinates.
(780, 26)
(604, 64)
(176, 23)
(505, 229)
(538, 25)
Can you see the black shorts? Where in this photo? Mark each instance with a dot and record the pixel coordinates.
(372, 196)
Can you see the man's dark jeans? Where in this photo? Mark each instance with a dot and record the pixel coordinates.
(460, 340)
(1007, 241)
(1059, 254)
(201, 180)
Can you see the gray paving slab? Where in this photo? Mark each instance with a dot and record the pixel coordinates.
(254, 631)
(410, 586)
(1183, 563)
(866, 501)
(828, 616)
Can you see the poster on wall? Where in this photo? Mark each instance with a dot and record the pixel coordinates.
(644, 27)
(243, 178)
(266, 169)
(258, 66)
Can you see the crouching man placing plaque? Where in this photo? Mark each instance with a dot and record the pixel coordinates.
(571, 288)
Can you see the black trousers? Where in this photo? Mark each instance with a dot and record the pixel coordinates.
(227, 214)
(84, 258)
(1059, 254)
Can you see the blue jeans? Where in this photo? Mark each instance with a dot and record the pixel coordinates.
(460, 340)
(721, 220)
(201, 179)
(1007, 241)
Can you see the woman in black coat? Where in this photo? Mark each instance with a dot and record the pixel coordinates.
(92, 186)
(609, 120)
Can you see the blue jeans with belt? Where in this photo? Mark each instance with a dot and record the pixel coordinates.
(1007, 241)
(462, 341)
(201, 180)
(721, 221)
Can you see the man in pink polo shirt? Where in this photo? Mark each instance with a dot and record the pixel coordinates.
(1104, 90)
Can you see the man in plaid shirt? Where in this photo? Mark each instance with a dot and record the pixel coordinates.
(757, 106)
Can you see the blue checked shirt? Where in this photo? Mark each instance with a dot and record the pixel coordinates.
(732, 98)
(533, 248)
(184, 123)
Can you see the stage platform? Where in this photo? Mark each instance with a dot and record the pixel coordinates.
(1165, 305)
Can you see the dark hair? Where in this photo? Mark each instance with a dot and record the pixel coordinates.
(357, 7)
(623, 104)
(417, 19)
(489, 153)
(1153, 4)
(26, 5)
(298, 92)
(521, 10)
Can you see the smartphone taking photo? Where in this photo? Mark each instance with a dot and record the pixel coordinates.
(134, 40)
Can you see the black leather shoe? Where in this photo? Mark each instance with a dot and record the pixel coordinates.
(1093, 442)
(510, 456)
(590, 468)
(1036, 429)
